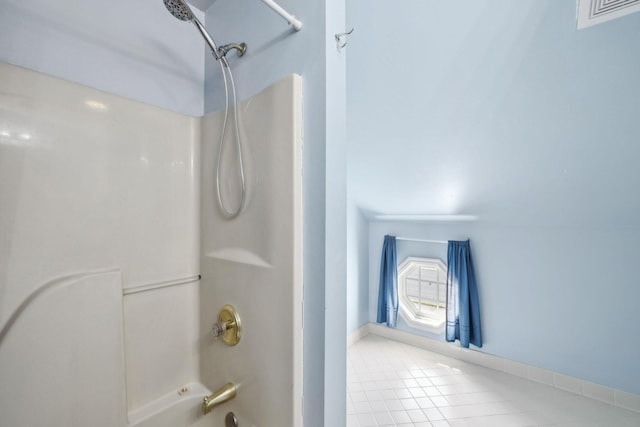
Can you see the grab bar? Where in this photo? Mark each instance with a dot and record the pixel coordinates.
(158, 285)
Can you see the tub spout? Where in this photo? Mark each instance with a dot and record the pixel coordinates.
(219, 396)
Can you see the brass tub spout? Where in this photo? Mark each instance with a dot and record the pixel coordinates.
(227, 392)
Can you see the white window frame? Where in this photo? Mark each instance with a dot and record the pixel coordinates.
(428, 321)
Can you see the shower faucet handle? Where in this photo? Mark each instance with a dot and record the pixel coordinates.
(218, 329)
(228, 326)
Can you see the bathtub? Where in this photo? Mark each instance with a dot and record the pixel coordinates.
(181, 408)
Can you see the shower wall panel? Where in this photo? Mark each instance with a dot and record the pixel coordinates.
(61, 360)
(89, 182)
(254, 261)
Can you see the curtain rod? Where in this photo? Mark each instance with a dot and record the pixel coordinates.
(422, 240)
(295, 23)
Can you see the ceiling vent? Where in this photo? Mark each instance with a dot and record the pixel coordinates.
(592, 12)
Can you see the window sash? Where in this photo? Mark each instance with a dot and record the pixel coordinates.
(422, 286)
(427, 291)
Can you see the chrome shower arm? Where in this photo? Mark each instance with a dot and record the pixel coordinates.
(241, 48)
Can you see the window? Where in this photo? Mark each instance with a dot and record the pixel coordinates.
(422, 289)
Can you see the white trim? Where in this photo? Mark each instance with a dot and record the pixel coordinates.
(626, 400)
(573, 385)
(422, 218)
(428, 322)
(410, 239)
(358, 334)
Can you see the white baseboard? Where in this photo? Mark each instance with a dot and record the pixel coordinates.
(358, 334)
(574, 385)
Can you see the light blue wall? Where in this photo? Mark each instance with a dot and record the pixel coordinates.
(275, 50)
(563, 299)
(504, 111)
(132, 49)
(494, 108)
(335, 363)
(357, 268)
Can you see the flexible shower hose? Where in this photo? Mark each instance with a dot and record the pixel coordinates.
(224, 67)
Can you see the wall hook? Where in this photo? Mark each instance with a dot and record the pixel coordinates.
(341, 39)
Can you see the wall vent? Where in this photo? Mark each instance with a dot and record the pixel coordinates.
(592, 12)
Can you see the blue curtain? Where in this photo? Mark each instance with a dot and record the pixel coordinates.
(463, 308)
(388, 293)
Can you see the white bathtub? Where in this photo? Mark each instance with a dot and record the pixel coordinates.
(176, 409)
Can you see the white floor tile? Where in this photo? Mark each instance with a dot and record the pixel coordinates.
(383, 418)
(433, 391)
(433, 414)
(373, 395)
(388, 394)
(369, 385)
(394, 405)
(410, 383)
(400, 417)
(444, 380)
(424, 382)
(403, 393)
(409, 404)
(424, 402)
(358, 396)
(394, 384)
(417, 392)
(417, 415)
(439, 401)
(354, 386)
(352, 421)
(367, 420)
(361, 407)
(417, 373)
(384, 384)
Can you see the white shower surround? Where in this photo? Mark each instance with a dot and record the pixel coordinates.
(254, 261)
(62, 357)
(89, 182)
(100, 197)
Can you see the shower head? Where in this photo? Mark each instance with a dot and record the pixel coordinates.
(179, 9)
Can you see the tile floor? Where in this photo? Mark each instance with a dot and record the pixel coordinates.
(394, 384)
